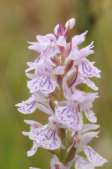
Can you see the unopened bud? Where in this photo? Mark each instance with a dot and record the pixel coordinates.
(59, 30)
(70, 24)
(56, 29)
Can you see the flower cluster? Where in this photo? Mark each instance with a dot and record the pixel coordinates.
(55, 81)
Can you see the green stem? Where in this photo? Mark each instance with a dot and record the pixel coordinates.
(70, 155)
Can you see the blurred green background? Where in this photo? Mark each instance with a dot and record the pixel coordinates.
(20, 21)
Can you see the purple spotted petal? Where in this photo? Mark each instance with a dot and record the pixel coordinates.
(67, 116)
(43, 83)
(35, 102)
(48, 138)
(82, 163)
(43, 136)
(88, 69)
(94, 157)
(28, 106)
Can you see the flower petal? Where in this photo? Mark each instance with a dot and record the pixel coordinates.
(90, 84)
(88, 136)
(28, 106)
(43, 83)
(33, 168)
(55, 163)
(59, 70)
(87, 50)
(94, 157)
(78, 39)
(91, 116)
(89, 127)
(33, 150)
(88, 69)
(82, 163)
(43, 103)
(34, 102)
(61, 41)
(70, 119)
(48, 138)
(33, 124)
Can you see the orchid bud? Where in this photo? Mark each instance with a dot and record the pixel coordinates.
(70, 24)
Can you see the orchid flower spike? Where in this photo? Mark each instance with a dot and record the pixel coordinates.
(54, 80)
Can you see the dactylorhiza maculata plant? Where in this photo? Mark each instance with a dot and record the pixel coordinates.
(54, 82)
